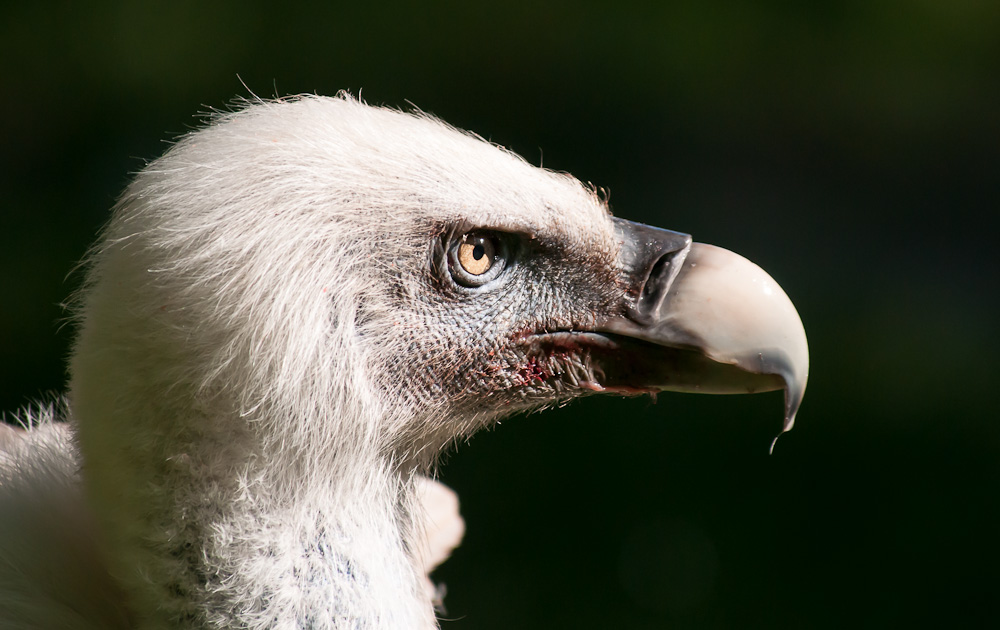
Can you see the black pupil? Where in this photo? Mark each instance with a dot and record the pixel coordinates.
(478, 252)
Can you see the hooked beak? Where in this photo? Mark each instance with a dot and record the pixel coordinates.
(720, 323)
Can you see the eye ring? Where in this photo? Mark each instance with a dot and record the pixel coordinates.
(477, 258)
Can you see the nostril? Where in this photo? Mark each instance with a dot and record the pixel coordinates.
(659, 268)
(658, 281)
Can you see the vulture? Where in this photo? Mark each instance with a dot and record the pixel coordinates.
(288, 317)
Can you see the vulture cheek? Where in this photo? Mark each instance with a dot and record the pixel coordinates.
(561, 367)
(532, 371)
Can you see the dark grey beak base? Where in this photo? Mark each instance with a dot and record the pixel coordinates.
(652, 258)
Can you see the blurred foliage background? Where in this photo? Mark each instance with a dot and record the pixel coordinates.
(850, 148)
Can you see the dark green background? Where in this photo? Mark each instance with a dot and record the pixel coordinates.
(852, 149)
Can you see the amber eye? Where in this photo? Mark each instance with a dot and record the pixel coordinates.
(476, 254)
(477, 258)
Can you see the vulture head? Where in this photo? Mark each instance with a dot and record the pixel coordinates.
(296, 308)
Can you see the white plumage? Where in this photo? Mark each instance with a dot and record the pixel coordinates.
(273, 349)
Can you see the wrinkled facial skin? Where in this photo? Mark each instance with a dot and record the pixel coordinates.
(477, 347)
